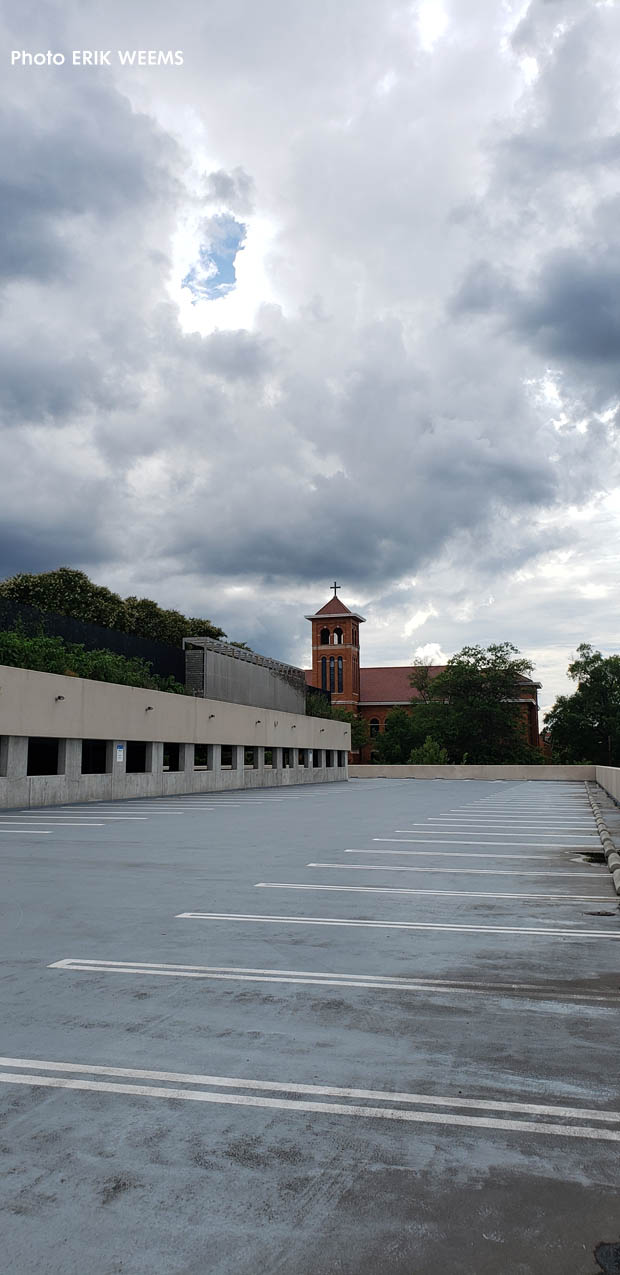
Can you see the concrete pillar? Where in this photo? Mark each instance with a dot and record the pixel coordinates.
(259, 762)
(70, 758)
(154, 762)
(186, 758)
(117, 758)
(277, 758)
(214, 758)
(16, 756)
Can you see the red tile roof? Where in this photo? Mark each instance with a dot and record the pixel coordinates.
(334, 607)
(393, 686)
(390, 685)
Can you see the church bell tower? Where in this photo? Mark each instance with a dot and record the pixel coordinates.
(336, 651)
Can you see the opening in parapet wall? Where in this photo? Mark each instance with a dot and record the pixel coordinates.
(203, 757)
(96, 757)
(138, 757)
(172, 757)
(43, 756)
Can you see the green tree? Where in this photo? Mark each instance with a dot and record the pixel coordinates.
(585, 726)
(53, 655)
(429, 754)
(473, 709)
(402, 732)
(70, 592)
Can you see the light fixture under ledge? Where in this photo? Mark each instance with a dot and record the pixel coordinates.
(59, 697)
(211, 715)
(258, 721)
(149, 709)
(293, 727)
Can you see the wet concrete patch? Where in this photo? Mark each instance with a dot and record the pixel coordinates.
(114, 1187)
(608, 1258)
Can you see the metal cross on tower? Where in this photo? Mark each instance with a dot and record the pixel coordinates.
(336, 588)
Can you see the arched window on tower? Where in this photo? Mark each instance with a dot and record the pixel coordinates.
(340, 675)
(374, 727)
(338, 636)
(331, 673)
(323, 674)
(324, 638)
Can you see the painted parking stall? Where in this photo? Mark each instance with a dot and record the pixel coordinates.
(299, 976)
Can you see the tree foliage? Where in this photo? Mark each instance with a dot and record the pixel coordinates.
(405, 729)
(585, 726)
(70, 592)
(471, 710)
(429, 754)
(53, 655)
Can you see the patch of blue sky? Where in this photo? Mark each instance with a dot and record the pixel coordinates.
(214, 274)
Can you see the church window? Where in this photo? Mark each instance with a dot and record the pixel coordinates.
(374, 727)
(324, 637)
(338, 636)
(323, 674)
(340, 674)
(331, 673)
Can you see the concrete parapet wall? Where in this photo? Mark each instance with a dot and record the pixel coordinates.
(51, 705)
(69, 709)
(609, 779)
(52, 790)
(474, 772)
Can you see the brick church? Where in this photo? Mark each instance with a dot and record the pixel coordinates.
(374, 692)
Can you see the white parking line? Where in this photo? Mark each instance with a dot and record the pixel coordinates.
(26, 832)
(457, 894)
(395, 982)
(526, 807)
(53, 822)
(415, 1108)
(16, 827)
(458, 854)
(399, 867)
(495, 821)
(460, 841)
(397, 925)
(483, 830)
(55, 816)
(493, 872)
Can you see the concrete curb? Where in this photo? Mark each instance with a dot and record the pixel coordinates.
(609, 847)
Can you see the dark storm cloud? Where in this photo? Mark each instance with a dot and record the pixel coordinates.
(573, 312)
(84, 154)
(437, 234)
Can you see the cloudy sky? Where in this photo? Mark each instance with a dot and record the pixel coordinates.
(337, 297)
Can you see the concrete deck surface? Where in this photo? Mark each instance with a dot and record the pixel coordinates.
(412, 1069)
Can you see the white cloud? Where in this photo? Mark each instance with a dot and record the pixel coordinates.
(413, 382)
